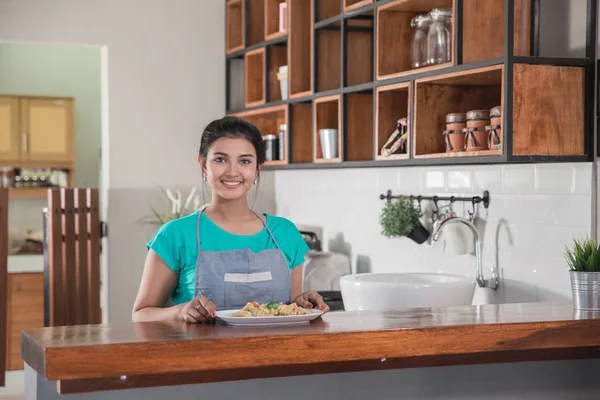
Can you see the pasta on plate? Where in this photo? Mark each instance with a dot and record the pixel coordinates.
(273, 309)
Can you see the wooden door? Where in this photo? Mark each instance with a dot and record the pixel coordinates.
(3, 281)
(9, 129)
(73, 254)
(48, 130)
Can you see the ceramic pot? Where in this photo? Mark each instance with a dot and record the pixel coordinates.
(476, 135)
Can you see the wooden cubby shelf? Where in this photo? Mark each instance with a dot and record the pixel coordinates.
(393, 103)
(302, 135)
(272, 21)
(360, 54)
(327, 114)
(327, 9)
(347, 65)
(328, 49)
(300, 48)
(276, 58)
(458, 92)
(359, 126)
(235, 26)
(268, 120)
(255, 77)
(394, 36)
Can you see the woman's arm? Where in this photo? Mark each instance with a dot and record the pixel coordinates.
(296, 282)
(158, 282)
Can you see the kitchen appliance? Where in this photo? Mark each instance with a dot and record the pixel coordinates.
(322, 271)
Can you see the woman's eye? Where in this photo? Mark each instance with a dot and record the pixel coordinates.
(219, 159)
(245, 162)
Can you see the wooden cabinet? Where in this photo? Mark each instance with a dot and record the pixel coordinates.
(9, 129)
(36, 131)
(25, 311)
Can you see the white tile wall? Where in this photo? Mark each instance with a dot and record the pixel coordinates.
(535, 211)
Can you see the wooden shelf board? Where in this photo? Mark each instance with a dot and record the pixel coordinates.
(415, 71)
(328, 160)
(276, 35)
(479, 153)
(357, 5)
(275, 163)
(491, 75)
(392, 157)
(28, 193)
(415, 6)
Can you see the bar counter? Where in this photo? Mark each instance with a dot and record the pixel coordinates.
(159, 360)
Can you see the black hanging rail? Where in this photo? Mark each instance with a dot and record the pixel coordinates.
(485, 199)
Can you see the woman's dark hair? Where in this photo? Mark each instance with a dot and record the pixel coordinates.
(233, 127)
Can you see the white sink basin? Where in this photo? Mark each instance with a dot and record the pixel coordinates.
(405, 290)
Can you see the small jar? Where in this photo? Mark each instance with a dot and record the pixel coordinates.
(454, 133)
(494, 129)
(476, 134)
(271, 148)
(421, 24)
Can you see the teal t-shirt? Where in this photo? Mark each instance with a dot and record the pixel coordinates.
(175, 242)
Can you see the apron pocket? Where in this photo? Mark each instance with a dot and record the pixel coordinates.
(243, 288)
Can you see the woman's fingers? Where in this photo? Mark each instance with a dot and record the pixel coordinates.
(206, 308)
(196, 314)
(191, 319)
(303, 302)
(317, 299)
(208, 305)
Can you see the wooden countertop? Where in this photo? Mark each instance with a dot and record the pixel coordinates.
(151, 354)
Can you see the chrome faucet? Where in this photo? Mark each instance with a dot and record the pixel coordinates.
(481, 281)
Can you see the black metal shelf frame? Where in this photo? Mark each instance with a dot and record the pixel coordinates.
(589, 62)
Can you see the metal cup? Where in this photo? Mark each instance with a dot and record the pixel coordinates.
(329, 142)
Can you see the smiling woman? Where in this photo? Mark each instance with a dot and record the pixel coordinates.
(225, 255)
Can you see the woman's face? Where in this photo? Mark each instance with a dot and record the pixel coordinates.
(231, 167)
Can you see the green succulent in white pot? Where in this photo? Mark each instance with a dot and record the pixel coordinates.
(583, 258)
(400, 218)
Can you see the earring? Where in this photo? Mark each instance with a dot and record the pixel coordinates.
(254, 181)
(204, 177)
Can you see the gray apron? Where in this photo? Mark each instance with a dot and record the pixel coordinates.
(232, 278)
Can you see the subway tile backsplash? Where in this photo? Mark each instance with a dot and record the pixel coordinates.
(535, 211)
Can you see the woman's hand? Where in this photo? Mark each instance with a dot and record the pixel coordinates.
(198, 311)
(311, 299)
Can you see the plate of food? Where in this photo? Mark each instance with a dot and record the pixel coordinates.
(268, 314)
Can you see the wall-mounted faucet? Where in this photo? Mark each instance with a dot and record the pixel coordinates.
(491, 283)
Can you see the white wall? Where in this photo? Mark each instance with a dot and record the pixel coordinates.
(534, 211)
(166, 82)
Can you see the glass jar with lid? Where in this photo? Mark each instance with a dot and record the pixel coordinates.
(439, 37)
(420, 24)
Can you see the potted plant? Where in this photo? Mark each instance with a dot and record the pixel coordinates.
(584, 261)
(400, 218)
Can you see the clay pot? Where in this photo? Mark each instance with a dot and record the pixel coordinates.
(495, 129)
(455, 137)
(476, 134)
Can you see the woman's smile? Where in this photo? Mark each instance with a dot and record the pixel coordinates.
(232, 184)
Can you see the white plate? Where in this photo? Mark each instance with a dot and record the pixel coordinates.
(226, 316)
